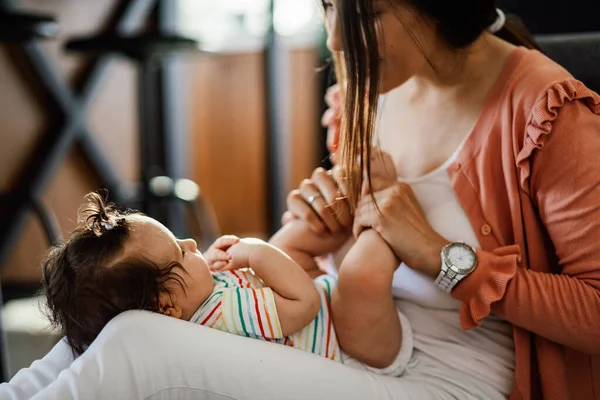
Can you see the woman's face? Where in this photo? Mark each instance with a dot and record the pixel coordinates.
(400, 57)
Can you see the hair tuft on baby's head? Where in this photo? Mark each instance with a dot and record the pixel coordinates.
(100, 216)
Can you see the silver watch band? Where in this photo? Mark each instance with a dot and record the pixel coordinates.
(446, 280)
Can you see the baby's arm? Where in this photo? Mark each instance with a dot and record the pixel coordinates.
(297, 240)
(296, 297)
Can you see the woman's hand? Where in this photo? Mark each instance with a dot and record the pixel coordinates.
(403, 226)
(320, 203)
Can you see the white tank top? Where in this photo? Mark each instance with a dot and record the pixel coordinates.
(447, 217)
(481, 358)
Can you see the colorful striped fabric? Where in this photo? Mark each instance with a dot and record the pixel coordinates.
(241, 304)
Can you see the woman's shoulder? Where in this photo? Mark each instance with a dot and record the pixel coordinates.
(533, 88)
(532, 75)
(535, 91)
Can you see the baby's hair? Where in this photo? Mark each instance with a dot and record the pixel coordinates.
(89, 279)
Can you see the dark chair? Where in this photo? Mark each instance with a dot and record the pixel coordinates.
(19, 27)
(579, 53)
(555, 16)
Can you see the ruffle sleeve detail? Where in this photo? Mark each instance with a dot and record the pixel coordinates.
(487, 284)
(543, 115)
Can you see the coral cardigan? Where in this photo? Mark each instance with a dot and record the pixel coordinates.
(528, 177)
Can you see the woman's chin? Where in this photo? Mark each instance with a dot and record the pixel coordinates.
(387, 85)
(383, 89)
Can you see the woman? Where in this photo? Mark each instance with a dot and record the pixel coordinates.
(494, 145)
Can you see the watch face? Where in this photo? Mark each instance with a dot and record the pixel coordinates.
(461, 257)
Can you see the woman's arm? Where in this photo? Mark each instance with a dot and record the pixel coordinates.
(565, 185)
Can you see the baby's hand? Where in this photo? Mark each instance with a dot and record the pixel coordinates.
(239, 252)
(216, 256)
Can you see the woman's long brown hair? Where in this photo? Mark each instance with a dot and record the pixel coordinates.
(358, 74)
(358, 69)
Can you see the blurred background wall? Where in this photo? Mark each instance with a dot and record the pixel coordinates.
(24, 119)
(224, 97)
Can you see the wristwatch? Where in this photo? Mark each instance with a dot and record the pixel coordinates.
(458, 261)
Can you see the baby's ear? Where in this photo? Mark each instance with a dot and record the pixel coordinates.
(167, 307)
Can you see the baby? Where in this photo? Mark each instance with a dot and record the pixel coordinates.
(116, 261)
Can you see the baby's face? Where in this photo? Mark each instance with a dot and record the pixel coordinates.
(154, 241)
